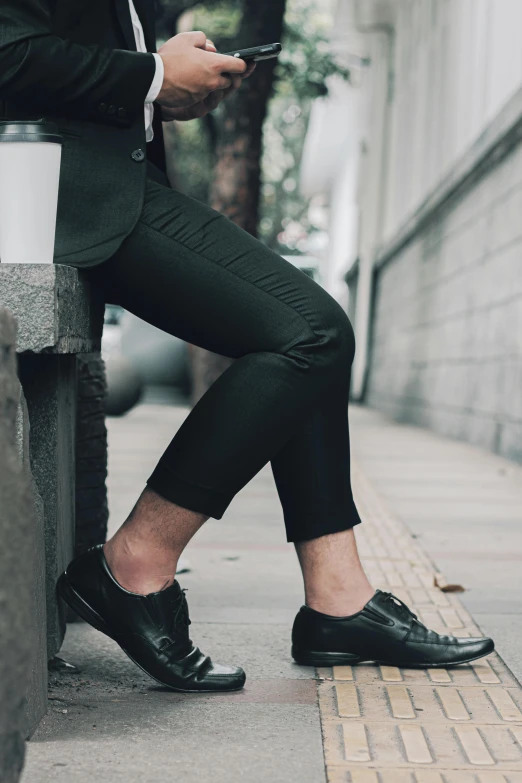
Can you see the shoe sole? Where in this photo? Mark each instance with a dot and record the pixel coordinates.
(87, 613)
(319, 659)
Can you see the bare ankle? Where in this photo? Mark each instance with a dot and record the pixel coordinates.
(138, 569)
(335, 581)
(340, 604)
(144, 553)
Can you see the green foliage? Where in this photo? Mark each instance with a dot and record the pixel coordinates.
(301, 75)
(307, 62)
(192, 143)
(220, 21)
(281, 202)
(192, 157)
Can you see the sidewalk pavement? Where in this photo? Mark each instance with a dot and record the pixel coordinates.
(108, 721)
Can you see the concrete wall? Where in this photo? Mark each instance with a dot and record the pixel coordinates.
(447, 326)
(456, 63)
(437, 298)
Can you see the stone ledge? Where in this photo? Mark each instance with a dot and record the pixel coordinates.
(55, 307)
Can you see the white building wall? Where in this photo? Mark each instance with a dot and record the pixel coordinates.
(456, 64)
(426, 195)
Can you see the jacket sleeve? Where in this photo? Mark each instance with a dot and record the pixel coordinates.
(51, 74)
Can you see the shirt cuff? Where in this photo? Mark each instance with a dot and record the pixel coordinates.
(157, 82)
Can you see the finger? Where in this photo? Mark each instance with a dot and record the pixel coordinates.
(214, 99)
(210, 46)
(167, 115)
(235, 84)
(199, 110)
(197, 39)
(237, 81)
(178, 115)
(223, 83)
(228, 64)
(250, 70)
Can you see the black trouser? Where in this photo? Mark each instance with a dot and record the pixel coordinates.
(191, 272)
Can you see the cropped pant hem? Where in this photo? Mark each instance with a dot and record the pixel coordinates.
(202, 500)
(190, 496)
(322, 524)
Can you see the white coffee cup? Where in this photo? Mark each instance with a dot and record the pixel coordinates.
(30, 159)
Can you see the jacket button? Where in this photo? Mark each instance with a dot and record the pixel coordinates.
(102, 108)
(111, 109)
(138, 156)
(122, 114)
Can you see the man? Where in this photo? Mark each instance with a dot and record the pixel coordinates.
(191, 272)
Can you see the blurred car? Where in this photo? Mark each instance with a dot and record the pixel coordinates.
(310, 265)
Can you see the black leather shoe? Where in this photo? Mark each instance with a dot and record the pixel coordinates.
(152, 629)
(384, 631)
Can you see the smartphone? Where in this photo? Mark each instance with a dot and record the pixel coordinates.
(257, 53)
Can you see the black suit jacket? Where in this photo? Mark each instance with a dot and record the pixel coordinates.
(74, 62)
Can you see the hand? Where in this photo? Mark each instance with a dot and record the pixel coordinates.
(193, 70)
(238, 78)
(204, 107)
(194, 112)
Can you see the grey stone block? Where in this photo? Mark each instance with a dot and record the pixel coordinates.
(92, 512)
(56, 309)
(17, 562)
(36, 698)
(58, 315)
(49, 383)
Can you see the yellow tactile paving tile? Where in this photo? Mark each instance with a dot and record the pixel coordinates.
(347, 701)
(424, 704)
(382, 724)
(474, 745)
(339, 775)
(390, 674)
(488, 671)
(452, 704)
(484, 672)
(342, 673)
(505, 706)
(439, 675)
(355, 742)
(400, 702)
(415, 746)
(437, 745)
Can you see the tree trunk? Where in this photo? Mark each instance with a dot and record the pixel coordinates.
(235, 191)
(237, 175)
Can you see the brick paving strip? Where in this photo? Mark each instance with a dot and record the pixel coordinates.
(382, 724)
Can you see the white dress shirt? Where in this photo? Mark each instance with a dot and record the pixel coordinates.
(157, 82)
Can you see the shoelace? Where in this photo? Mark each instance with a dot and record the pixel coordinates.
(401, 606)
(180, 612)
(416, 625)
(183, 609)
